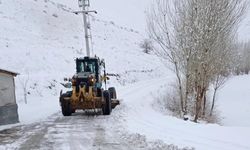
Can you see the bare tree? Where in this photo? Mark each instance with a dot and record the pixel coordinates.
(147, 46)
(193, 35)
(24, 84)
(159, 25)
(224, 65)
(246, 58)
(242, 61)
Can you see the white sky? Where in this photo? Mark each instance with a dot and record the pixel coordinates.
(131, 13)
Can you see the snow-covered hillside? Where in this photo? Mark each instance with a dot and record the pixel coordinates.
(41, 38)
(129, 13)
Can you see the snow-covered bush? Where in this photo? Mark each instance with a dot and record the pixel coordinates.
(147, 46)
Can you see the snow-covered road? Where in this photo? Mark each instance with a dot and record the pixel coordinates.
(83, 130)
(80, 131)
(135, 124)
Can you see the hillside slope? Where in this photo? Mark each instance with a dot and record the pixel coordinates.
(41, 38)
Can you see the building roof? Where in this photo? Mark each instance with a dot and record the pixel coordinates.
(8, 72)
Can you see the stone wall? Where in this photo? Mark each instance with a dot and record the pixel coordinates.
(8, 114)
(7, 90)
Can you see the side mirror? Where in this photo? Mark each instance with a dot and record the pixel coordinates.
(107, 78)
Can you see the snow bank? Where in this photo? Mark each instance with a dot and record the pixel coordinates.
(140, 117)
(233, 102)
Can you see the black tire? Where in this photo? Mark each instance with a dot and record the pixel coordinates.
(106, 108)
(112, 93)
(65, 105)
(67, 94)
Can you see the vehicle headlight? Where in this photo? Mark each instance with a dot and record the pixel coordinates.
(91, 80)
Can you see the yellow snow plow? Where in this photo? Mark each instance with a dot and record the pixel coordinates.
(87, 92)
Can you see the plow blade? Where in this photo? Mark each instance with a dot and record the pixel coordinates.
(114, 103)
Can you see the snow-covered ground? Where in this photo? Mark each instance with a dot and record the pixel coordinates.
(142, 118)
(40, 39)
(234, 102)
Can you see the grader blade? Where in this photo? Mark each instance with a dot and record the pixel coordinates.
(114, 103)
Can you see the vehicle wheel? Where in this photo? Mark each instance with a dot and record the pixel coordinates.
(112, 92)
(106, 108)
(67, 94)
(66, 106)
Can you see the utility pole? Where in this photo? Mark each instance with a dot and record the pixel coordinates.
(84, 4)
(86, 28)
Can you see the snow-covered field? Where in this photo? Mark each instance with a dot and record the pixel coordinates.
(40, 39)
(234, 102)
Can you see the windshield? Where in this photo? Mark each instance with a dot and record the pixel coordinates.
(86, 67)
(89, 65)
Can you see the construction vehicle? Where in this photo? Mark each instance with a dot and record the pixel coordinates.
(87, 92)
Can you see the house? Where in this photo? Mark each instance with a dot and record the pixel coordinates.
(8, 105)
